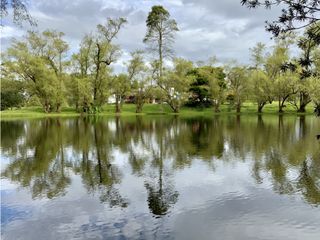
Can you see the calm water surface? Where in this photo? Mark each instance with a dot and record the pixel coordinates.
(159, 177)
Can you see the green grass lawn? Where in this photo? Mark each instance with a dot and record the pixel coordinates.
(129, 109)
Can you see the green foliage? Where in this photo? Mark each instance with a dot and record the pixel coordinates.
(313, 88)
(238, 81)
(38, 62)
(11, 93)
(261, 88)
(121, 86)
(39, 70)
(199, 89)
(140, 77)
(160, 34)
(176, 83)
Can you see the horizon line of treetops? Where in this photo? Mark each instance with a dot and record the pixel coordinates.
(38, 71)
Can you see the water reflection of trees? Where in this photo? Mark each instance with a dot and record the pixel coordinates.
(44, 153)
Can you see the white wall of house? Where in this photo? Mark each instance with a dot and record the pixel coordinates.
(112, 99)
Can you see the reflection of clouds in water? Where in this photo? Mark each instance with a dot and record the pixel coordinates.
(14, 213)
(227, 175)
(261, 214)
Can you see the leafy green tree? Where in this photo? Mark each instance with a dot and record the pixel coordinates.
(295, 15)
(79, 93)
(283, 76)
(39, 61)
(238, 85)
(140, 77)
(261, 90)
(175, 84)
(313, 88)
(104, 54)
(199, 88)
(307, 44)
(39, 79)
(258, 55)
(92, 77)
(285, 85)
(81, 80)
(160, 34)
(12, 93)
(120, 86)
(260, 83)
(217, 85)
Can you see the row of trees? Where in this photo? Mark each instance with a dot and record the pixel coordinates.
(39, 70)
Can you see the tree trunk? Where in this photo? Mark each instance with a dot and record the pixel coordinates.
(281, 103)
(139, 106)
(118, 106)
(216, 107)
(238, 108)
(304, 101)
(160, 55)
(58, 108)
(280, 108)
(260, 107)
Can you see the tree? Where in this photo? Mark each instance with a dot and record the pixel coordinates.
(12, 93)
(105, 53)
(81, 80)
(260, 88)
(91, 66)
(258, 55)
(53, 49)
(296, 14)
(120, 86)
(160, 34)
(20, 12)
(175, 84)
(38, 60)
(216, 85)
(307, 44)
(315, 93)
(285, 85)
(283, 76)
(140, 79)
(260, 84)
(313, 87)
(199, 88)
(237, 78)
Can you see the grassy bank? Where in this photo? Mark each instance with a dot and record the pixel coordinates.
(129, 109)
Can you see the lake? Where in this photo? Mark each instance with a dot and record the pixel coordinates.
(161, 177)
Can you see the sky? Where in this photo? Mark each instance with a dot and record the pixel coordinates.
(221, 28)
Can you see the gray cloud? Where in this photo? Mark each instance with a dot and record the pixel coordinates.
(222, 28)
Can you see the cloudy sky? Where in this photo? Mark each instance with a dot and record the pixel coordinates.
(222, 28)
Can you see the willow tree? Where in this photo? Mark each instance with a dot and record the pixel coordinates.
(105, 53)
(140, 79)
(39, 61)
(238, 85)
(160, 34)
(19, 9)
(260, 83)
(92, 66)
(176, 82)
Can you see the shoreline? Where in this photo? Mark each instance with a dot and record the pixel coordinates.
(153, 110)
